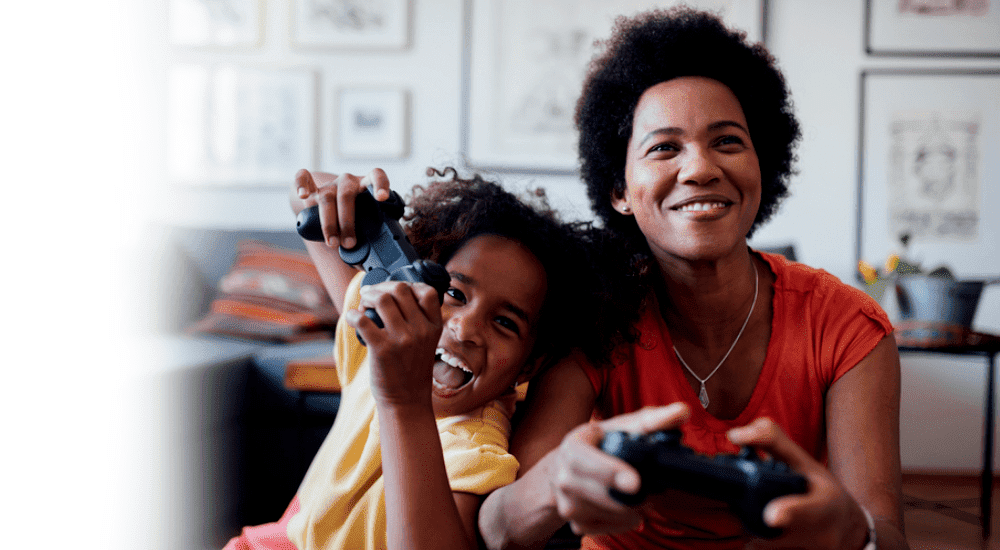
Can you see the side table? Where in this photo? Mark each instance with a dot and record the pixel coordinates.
(988, 350)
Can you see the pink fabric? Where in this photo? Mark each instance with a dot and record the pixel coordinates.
(269, 536)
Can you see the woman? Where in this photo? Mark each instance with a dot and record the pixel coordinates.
(686, 138)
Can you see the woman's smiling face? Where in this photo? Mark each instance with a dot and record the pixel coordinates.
(490, 314)
(691, 172)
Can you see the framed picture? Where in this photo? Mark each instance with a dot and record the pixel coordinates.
(238, 126)
(372, 123)
(970, 28)
(525, 70)
(351, 24)
(233, 23)
(927, 168)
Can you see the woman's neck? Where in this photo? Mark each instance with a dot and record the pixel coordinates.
(706, 302)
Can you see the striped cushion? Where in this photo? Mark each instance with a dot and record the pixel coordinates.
(270, 294)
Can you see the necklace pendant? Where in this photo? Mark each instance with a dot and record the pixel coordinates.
(703, 396)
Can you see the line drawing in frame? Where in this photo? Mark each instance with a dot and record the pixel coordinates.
(923, 28)
(215, 23)
(232, 125)
(351, 24)
(524, 67)
(926, 168)
(373, 123)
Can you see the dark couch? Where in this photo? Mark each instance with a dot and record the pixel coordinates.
(240, 441)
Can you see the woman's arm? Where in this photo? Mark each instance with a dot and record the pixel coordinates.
(523, 514)
(862, 410)
(863, 438)
(564, 477)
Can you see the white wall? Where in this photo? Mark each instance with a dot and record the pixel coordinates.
(818, 44)
(820, 47)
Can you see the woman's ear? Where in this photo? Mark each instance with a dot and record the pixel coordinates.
(621, 204)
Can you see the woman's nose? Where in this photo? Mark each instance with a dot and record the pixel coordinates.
(698, 167)
(466, 327)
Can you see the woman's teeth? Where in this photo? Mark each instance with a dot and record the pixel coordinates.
(701, 206)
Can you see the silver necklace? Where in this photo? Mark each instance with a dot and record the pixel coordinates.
(703, 394)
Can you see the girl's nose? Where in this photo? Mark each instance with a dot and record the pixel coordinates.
(466, 327)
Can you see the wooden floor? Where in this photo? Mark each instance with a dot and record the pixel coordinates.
(942, 512)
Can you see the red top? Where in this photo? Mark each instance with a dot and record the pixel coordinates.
(821, 329)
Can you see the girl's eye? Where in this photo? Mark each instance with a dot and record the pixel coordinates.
(508, 324)
(456, 294)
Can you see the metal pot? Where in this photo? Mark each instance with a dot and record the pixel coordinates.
(938, 299)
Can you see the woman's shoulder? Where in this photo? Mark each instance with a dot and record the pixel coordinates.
(817, 289)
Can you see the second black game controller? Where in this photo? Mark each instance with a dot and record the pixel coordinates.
(744, 480)
(382, 249)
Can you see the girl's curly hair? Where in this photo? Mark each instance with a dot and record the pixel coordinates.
(445, 214)
(654, 47)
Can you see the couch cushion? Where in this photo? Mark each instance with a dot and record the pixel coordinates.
(270, 294)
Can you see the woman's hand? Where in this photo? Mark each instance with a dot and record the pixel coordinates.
(335, 196)
(825, 517)
(402, 353)
(584, 475)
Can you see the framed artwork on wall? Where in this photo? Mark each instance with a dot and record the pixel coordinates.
(525, 68)
(240, 126)
(372, 123)
(351, 24)
(234, 23)
(932, 28)
(927, 168)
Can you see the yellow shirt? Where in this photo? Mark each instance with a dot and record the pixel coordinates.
(342, 496)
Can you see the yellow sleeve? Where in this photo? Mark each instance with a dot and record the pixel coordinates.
(348, 351)
(475, 451)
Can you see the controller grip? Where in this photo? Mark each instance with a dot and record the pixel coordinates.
(307, 224)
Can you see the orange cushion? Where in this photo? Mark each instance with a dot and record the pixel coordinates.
(271, 294)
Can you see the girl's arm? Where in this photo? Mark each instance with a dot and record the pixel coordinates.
(422, 512)
(335, 197)
(421, 509)
(862, 410)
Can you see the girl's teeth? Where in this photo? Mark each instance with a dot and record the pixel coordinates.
(451, 360)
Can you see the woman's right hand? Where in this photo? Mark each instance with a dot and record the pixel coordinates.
(335, 197)
(583, 475)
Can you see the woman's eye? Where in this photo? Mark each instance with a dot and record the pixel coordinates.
(729, 141)
(455, 294)
(667, 147)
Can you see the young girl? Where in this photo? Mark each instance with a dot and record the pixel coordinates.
(421, 435)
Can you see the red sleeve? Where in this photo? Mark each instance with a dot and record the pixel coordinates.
(854, 324)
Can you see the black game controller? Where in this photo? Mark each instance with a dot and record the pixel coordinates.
(382, 250)
(745, 481)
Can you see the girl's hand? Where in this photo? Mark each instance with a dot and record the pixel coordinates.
(335, 196)
(402, 353)
(583, 475)
(825, 517)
